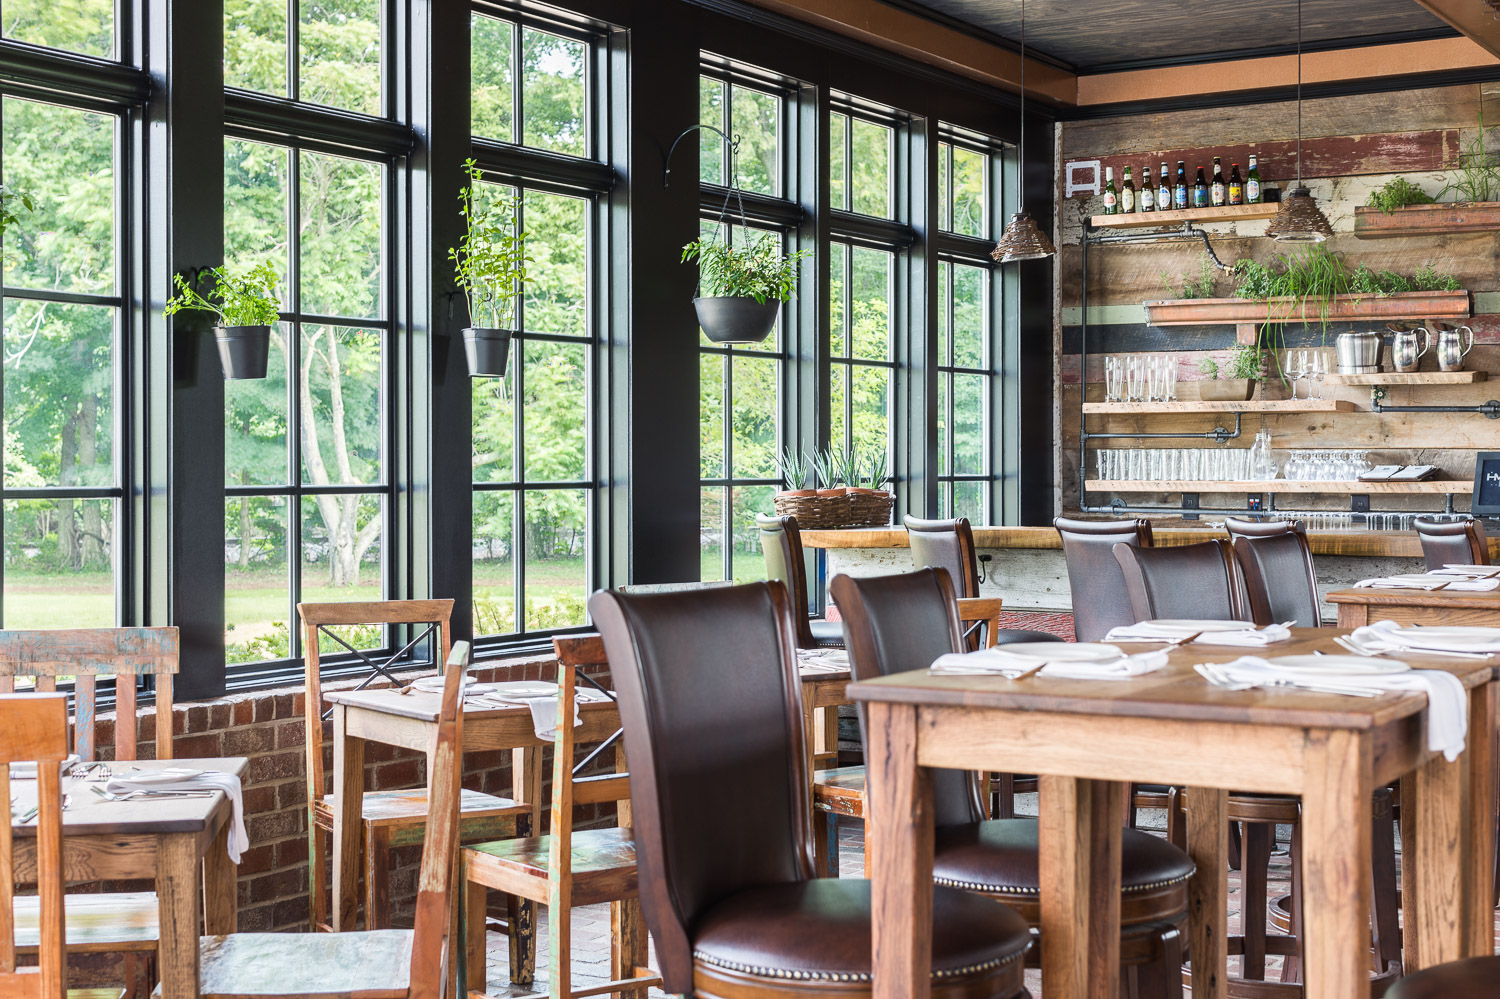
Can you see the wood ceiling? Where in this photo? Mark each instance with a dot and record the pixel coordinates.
(1087, 56)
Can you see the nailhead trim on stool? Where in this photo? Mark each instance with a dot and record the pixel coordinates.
(1003, 889)
(842, 976)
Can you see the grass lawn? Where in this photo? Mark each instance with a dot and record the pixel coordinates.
(59, 600)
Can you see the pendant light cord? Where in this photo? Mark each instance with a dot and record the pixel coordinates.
(1021, 166)
(1299, 92)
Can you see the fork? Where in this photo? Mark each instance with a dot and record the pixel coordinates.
(1216, 676)
(1360, 650)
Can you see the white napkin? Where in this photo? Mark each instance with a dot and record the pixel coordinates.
(1430, 581)
(26, 769)
(1388, 636)
(1254, 637)
(1119, 669)
(544, 716)
(998, 662)
(211, 780)
(1447, 701)
(823, 660)
(1471, 571)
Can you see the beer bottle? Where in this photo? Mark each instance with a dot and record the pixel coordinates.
(1200, 191)
(1252, 183)
(1236, 186)
(1217, 193)
(1148, 196)
(1180, 191)
(1111, 200)
(1164, 191)
(1127, 194)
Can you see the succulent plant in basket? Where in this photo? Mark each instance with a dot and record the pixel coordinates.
(795, 471)
(828, 468)
(246, 305)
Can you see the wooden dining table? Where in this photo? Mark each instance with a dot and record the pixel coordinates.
(1359, 606)
(179, 843)
(1088, 738)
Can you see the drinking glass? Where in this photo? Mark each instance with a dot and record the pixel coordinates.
(1101, 467)
(1135, 378)
(1294, 368)
(1169, 364)
(1319, 371)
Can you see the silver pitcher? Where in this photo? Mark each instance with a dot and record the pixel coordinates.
(1451, 349)
(1404, 353)
(1358, 353)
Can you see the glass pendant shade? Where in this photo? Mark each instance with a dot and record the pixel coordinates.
(1023, 240)
(1299, 219)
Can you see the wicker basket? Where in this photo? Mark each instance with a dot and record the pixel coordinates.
(870, 509)
(812, 511)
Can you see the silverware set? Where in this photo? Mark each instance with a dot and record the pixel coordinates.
(1215, 674)
(1359, 649)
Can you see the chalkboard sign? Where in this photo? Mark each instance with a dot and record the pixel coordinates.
(1486, 502)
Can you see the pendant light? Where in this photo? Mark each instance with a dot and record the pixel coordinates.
(1023, 239)
(1299, 219)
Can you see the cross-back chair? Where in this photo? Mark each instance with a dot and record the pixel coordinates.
(390, 818)
(566, 867)
(111, 922)
(369, 964)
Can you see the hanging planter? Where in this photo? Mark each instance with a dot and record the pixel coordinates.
(745, 285)
(246, 307)
(489, 265)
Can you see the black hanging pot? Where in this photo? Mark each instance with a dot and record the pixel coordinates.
(243, 350)
(736, 318)
(488, 351)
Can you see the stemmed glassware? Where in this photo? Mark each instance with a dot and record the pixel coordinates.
(1319, 371)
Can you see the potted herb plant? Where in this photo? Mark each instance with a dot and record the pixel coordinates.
(246, 306)
(1246, 366)
(744, 285)
(489, 265)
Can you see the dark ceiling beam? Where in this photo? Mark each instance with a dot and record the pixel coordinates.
(934, 43)
(1239, 76)
(1479, 20)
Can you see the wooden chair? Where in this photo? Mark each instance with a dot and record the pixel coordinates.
(567, 867)
(390, 818)
(111, 922)
(1461, 542)
(372, 964)
(731, 899)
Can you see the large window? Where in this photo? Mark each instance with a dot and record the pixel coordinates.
(306, 448)
(535, 473)
(322, 52)
(862, 377)
(740, 386)
(64, 327)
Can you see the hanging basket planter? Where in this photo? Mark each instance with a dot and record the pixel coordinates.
(736, 318)
(243, 350)
(487, 350)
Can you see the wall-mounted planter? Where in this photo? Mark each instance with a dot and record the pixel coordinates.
(1427, 220)
(243, 350)
(1226, 389)
(1344, 308)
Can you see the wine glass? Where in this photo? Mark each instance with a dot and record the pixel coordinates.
(1319, 371)
(1294, 361)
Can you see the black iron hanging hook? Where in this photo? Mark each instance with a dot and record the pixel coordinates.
(734, 147)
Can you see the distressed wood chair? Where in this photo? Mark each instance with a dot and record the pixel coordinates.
(568, 867)
(112, 922)
(369, 964)
(390, 818)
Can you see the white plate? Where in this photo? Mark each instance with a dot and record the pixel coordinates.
(1472, 635)
(434, 685)
(171, 775)
(1188, 627)
(1478, 570)
(521, 690)
(1338, 665)
(1063, 652)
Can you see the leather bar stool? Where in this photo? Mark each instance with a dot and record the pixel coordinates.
(719, 787)
(903, 622)
(781, 540)
(1459, 542)
(1100, 601)
(1475, 978)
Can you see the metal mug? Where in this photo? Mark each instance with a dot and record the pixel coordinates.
(1404, 353)
(1451, 349)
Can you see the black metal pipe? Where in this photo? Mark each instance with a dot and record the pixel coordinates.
(1490, 409)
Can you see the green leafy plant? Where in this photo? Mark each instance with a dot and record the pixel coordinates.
(825, 465)
(794, 467)
(878, 468)
(1208, 368)
(1398, 192)
(1247, 360)
(247, 299)
(1200, 287)
(11, 203)
(489, 263)
(758, 270)
(845, 469)
(1475, 173)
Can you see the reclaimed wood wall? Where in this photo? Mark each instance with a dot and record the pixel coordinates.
(1351, 146)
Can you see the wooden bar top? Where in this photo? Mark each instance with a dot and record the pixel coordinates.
(1356, 543)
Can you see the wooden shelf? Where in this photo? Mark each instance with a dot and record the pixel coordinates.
(1409, 378)
(1357, 308)
(1205, 406)
(1227, 213)
(1430, 486)
(1427, 220)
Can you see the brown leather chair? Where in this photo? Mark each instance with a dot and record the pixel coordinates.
(1475, 978)
(728, 890)
(1280, 583)
(1457, 542)
(1094, 577)
(903, 622)
(949, 544)
(1239, 528)
(781, 540)
(1198, 582)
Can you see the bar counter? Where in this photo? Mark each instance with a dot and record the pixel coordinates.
(1027, 571)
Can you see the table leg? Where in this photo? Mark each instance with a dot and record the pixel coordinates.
(179, 902)
(1207, 811)
(1079, 865)
(1353, 615)
(220, 906)
(1432, 848)
(526, 785)
(1336, 865)
(628, 944)
(899, 797)
(1479, 850)
(348, 801)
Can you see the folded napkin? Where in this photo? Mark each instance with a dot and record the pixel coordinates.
(544, 709)
(26, 769)
(1120, 669)
(1471, 571)
(998, 662)
(823, 660)
(1147, 631)
(211, 780)
(1430, 581)
(1253, 637)
(1447, 701)
(1388, 636)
